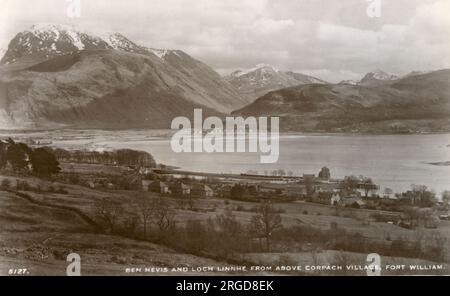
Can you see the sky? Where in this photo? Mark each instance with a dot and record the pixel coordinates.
(329, 39)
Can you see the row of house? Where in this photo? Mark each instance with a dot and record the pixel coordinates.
(345, 198)
(178, 188)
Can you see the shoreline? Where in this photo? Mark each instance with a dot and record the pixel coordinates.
(168, 131)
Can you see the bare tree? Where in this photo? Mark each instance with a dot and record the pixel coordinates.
(265, 222)
(367, 184)
(163, 215)
(191, 203)
(145, 206)
(109, 213)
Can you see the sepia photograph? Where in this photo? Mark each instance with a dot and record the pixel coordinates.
(224, 138)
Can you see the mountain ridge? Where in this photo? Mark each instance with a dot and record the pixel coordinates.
(419, 103)
(49, 69)
(263, 78)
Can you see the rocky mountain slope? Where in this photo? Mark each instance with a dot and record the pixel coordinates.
(53, 75)
(263, 78)
(411, 104)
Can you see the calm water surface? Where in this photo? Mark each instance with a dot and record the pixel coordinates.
(394, 161)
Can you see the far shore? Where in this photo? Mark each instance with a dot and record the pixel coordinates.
(168, 132)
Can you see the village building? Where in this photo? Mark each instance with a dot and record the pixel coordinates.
(389, 195)
(335, 198)
(309, 178)
(146, 184)
(179, 188)
(202, 190)
(90, 184)
(159, 187)
(145, 171)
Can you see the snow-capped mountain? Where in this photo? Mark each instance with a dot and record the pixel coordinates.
(50, 40)
(264, 78)
(377, 76)
(56, 74)
(119, 42)
(46, 40)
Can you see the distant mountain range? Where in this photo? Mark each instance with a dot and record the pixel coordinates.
(262, 79)
(415, 103)
(54, 76)
(379, 77)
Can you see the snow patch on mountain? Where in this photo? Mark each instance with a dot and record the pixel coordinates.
(259, 67)
(350, 82)
(264, 78)
(48, 31)
(42, 29)
(160, 53)
(379, 75)
(48, 40)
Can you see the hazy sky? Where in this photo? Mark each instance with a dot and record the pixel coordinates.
(330, 39)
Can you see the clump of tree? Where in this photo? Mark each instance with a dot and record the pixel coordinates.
(157, 213)
(325, 173)
(124, 157)
(420, 196)
(18, 155)
(278, 173)
(352, 183)
(23, 159)
(44, 162)
(222, 237)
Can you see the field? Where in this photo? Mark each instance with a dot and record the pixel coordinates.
(39, 238)
(39, 229)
